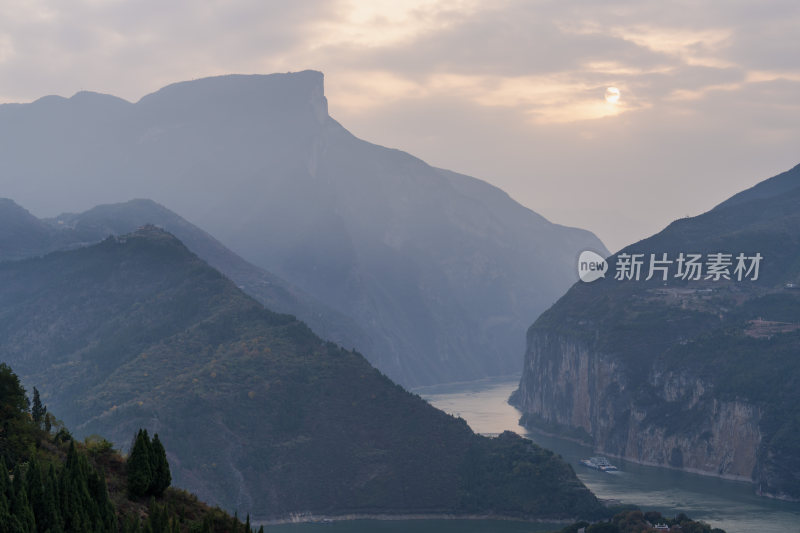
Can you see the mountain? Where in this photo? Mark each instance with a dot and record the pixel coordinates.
(257, 413)
(21, 233)
(27, 236)
(273, 292)
(441, 271)
(700, 375)
(775, 186)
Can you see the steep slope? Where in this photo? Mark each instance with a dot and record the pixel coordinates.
(49, 482)
(275, 293)
(257, 412)
(700, 375)
(443, 272)
(774, 186)
(23, 236)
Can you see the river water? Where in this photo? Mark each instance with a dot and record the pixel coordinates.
(730, 505)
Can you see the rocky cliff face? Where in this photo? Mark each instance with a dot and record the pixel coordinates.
(700, 375)
(568, 385)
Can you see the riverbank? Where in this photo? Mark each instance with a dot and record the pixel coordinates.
(554, 434)
(728, 504)
(312, 518)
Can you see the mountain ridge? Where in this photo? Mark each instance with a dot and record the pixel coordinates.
(442, 274)
(664, 372)
(137, 331)
(782, 183)
(71, 230)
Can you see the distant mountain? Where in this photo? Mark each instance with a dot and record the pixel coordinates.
(443, 272)
(27, 236)
(700, 375)
(275, 293)
(257, 413)
(21, 233)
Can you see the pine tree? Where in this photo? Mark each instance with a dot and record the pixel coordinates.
(158, 519)
(52, 500)
(10, 523)
(5, 487)
(78, 508)
(103, 510)
(20, 507)
(5, 504)
(162, 478)
(76, 521)
(140, 474)
(38, 411)
(41, 500)
(15, 427)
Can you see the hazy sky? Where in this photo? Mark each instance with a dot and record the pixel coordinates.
(510, 92)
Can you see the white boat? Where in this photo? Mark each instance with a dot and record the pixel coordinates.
(599, 463)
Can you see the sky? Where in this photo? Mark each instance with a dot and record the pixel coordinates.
(512, 92)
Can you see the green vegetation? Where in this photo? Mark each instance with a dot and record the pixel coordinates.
(14, 405)
(148, 470)
(38, 411)
(636, 521)
(259, 414)
(49, 483)
(491, 486)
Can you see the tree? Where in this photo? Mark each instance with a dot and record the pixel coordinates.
(12, 396)
(148, 468)
(162, 478)
(38, 411)
(20, 507)
(16, 433)
(158, 519)
(140, 473)
(52, 500)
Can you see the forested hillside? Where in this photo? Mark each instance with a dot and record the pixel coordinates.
(51, 483)
(256, 412)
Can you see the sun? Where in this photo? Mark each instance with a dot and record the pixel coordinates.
(612, 95)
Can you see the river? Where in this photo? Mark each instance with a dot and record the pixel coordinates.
(730, 505)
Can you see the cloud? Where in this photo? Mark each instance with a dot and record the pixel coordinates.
(130, 48)
(510, 91)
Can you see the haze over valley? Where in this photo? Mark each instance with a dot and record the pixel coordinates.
(441, 273)
(425, 266)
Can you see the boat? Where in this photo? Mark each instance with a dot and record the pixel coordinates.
(599, 463)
